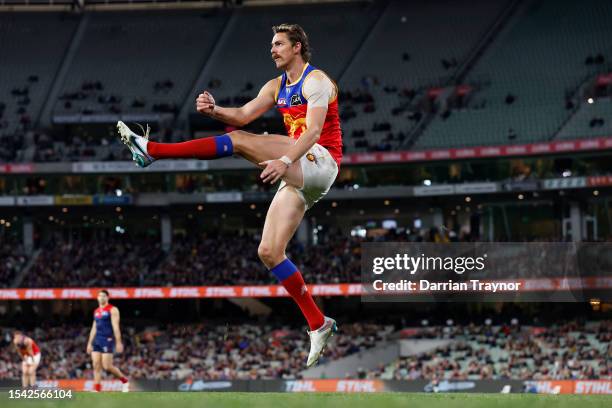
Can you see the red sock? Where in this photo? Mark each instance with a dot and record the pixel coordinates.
(206, 148)
(296, 287)
(98, 387)
(123, 380)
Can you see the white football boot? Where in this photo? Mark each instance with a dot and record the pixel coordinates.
(319, 339)
(125, 387)
(137, 144)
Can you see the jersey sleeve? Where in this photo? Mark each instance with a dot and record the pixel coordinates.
(318, 90)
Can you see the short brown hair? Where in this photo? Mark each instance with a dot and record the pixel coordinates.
(296, 35)
(104, 291)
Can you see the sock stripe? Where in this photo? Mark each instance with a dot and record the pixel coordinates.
(284, 270)
(224, 146)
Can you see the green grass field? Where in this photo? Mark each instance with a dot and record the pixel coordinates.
(282, 400)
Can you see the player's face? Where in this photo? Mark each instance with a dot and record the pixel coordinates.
(282, 51)
(18, 338)
(102, 298)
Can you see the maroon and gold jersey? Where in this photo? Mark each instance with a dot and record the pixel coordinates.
(292, 104)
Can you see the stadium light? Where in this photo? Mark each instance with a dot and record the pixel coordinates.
(118, 192)
(468, 199)
(427, 182)
(595, 193)
(590, 101)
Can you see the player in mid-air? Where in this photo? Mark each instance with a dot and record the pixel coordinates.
(104, 340)
(306, 162)
(29, 352)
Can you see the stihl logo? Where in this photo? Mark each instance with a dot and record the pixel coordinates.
(149, 293)
(40, 294)
(256, 291)
(356, 386)
(185, 292)
(593, 387)
(76, 293)
(220, 292)
(9, 294)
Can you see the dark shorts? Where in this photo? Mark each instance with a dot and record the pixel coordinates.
(104, 345)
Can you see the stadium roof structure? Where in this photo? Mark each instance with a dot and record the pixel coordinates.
(118, 5)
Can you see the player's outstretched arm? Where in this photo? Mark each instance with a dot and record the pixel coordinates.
(92, 334)
(116, 330)
(205, 104)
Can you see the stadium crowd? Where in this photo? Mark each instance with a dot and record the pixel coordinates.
(560, 352)
(12, 260)
(210, 258)
(202, 351)
(205, 259)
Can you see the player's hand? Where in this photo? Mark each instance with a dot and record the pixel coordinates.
(119, 348)
(274, 170)
(89, 348)
(205, 103)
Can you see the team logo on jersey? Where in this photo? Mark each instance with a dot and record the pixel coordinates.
(295, 100)
(282, 101)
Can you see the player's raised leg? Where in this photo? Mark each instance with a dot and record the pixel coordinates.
(252, 147)
(284, 216)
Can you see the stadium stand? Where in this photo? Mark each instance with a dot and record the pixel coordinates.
(382, 105)
(424, 42)
(106, 76)
(33, 45)
(12, 260)
(528, 72)
(210, 259)
(591, 120)
(563, 351)
(204, 351)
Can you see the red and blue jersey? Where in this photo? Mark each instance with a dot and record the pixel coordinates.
(292, 104)
(102, 317)
(23, 347)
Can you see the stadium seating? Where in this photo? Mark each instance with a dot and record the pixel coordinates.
(561, 352)
(203, 351)
(406, 50)
(33, 45)
(12, 260)
(591, 120)
(334, 31)
(538, 59)
(228, 259)
(152, 57)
